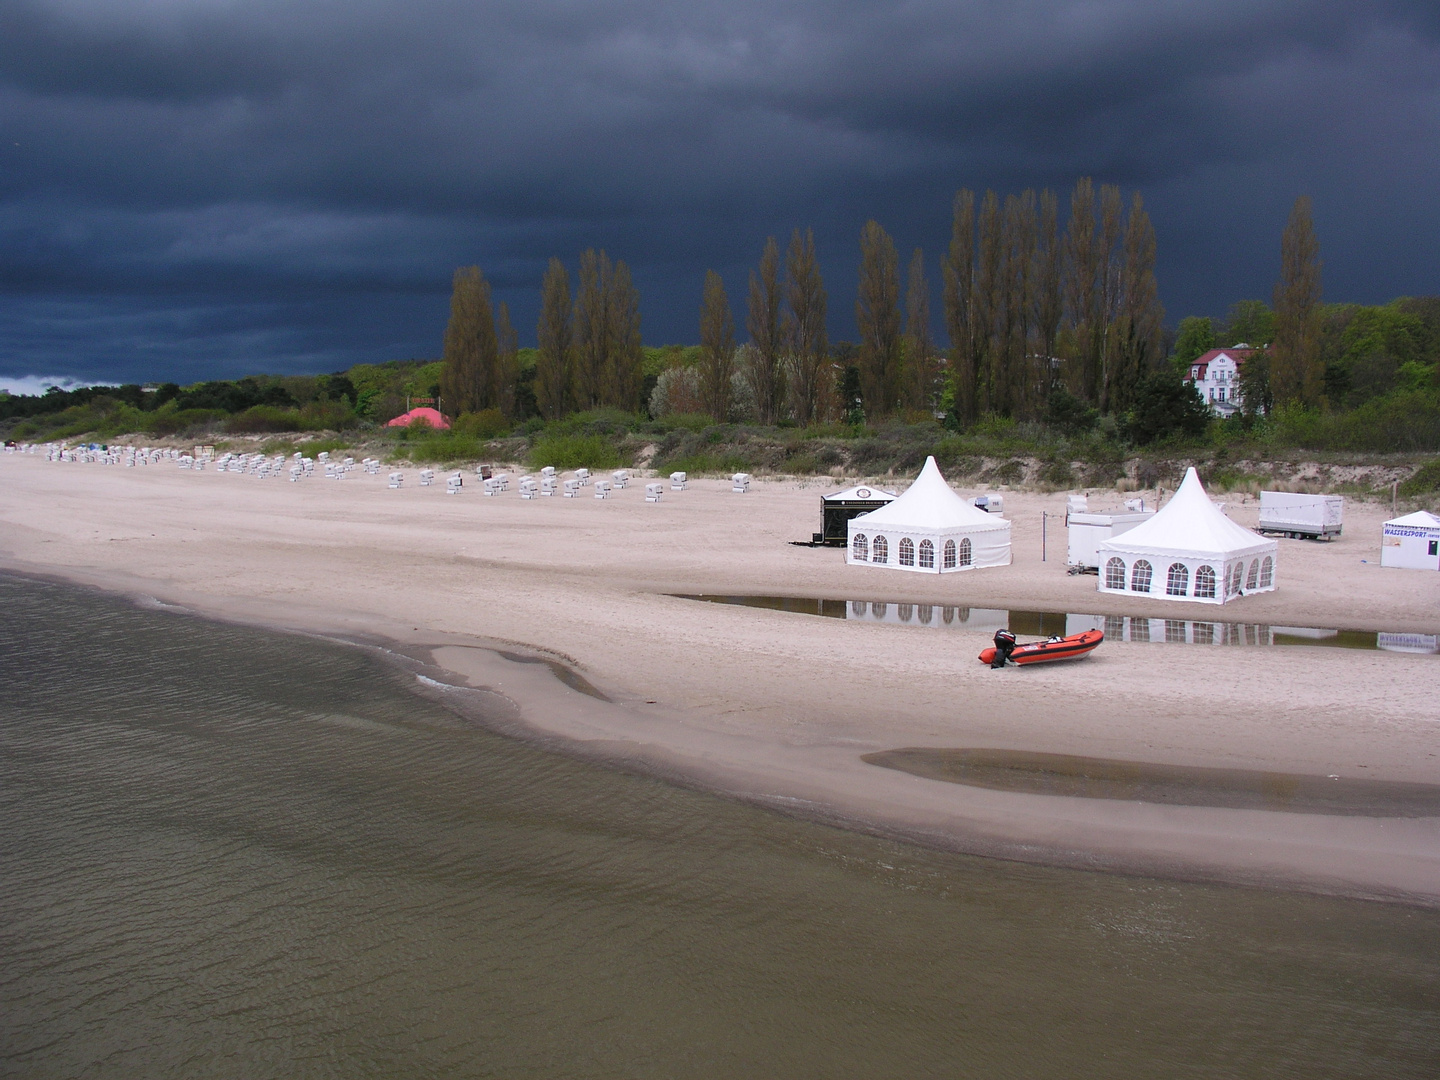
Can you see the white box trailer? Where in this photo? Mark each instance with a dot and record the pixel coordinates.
(1088, 531)
(1293, 514)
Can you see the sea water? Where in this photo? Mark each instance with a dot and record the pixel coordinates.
(225, 852)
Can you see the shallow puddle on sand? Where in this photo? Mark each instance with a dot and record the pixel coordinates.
(1175, 785)
(1116, 627)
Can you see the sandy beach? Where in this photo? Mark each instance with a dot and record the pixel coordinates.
(778, 708)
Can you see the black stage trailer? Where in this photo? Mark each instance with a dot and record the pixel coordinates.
(837, 510)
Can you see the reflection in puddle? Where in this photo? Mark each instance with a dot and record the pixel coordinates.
(1116, 627)
(1174, 785)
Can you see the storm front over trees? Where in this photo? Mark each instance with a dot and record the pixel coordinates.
(199, 191)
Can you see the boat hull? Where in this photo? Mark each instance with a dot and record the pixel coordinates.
(1074, 647)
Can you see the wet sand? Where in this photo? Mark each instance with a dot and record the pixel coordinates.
(778, 708)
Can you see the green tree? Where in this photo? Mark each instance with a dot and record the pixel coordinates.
(1138, 330)
(1165, 406)
(608, 350)
(507, 366)
(469, 379)
(592, 328)
(921, 369)
(877, 314)
(555, 334)
(765, 321)
(1048, 298)
(1196, 336)
(1295, 371)
(805, 299)
(958, 274)
(717, 349)
(1248, 322)
(625, 356)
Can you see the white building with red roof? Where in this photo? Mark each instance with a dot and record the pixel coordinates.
(1216, 374)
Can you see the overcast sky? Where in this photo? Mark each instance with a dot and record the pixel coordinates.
(204, 188)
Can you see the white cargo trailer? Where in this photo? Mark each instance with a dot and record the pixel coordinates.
(1293, 514)
(1087, 531)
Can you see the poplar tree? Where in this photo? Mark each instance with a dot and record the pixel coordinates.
(809, 347)
(555, 335)
(920, 367)
(592, 328)
(507, 366)
(1012, 379)
(717, 348)
(1108, 291)
(468, 380)
(1140, 326)
(877, 314)
(1049, 302)
(766, 325)
(958, 273)
(1295, 374)
(989, 298)
(1081, 278)
(624, 356)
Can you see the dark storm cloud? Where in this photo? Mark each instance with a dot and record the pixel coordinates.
(288, 185)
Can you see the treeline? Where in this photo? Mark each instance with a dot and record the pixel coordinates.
(1030, 305)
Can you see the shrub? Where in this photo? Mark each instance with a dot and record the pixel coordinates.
(264, 418)
(567, 451)
(487, 424)
(1424, 480)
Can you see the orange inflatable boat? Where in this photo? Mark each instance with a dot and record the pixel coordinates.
(1074, 647)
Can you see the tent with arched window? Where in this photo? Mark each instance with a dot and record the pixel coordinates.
(1188, 551)
(929, 529)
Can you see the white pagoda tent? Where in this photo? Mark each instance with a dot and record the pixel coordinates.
(1188, 551)
(930, 529)
(1411, 541)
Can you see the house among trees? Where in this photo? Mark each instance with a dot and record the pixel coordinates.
(1216, 374)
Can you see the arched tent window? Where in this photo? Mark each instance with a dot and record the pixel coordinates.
(907, 551)
(1177, 580)
(905, 611)
(858, 608)
(1205, 583)
(878, 611)
(1254, 576)
(1267, 572)
(948, 613)
(860, 548)
(1140, 576)
(949, 555)
(1115, 574)
(880, 550)
(926, 612)
(967, 553)
(927, 555)
(1235, 572)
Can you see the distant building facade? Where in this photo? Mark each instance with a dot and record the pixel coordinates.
(1216, 374)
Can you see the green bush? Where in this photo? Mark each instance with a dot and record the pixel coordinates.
(568, 451)
(264, 418)
(1425, 480)
(1405, 421)
(487, 424)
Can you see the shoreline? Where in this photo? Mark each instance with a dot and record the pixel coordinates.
(783, 737)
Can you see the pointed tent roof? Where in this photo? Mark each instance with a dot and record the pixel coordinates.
(931, 503)
(1189, 525)
(1421, 519)
(860, 493)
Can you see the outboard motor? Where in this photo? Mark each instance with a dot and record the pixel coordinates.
(1004, 646)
